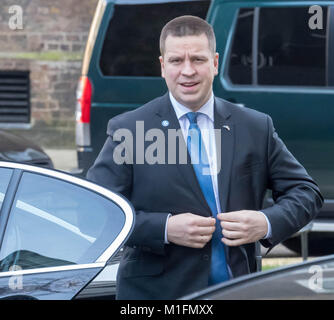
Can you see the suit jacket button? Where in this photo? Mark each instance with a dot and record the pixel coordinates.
(206, 257)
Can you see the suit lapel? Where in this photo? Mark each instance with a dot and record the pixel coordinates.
(225, 150)
(165, 111)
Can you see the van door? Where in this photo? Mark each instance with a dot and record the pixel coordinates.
(278, 59)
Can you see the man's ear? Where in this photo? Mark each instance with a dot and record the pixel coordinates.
(161, 59)
(216, 62)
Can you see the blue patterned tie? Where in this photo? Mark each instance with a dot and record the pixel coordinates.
(201, 166)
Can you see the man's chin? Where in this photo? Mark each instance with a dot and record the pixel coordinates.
(193, 104)
(190, 102)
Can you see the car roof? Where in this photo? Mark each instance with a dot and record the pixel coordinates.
(253, 276)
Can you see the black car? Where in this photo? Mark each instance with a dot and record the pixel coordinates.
(311, 280)
(18, 149)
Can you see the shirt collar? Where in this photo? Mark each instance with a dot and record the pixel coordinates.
(181, 110)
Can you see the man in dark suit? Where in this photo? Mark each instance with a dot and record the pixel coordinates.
(192, 231)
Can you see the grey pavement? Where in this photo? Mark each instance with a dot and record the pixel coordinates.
(279, 251)
(63, 159)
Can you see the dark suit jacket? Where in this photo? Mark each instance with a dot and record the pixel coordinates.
(253, 160)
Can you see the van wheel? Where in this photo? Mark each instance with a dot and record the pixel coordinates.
(319, 244)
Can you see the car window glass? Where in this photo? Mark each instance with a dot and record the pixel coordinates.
(55, 223)
(291, 53)
(240, 65)
(315, 281)
(5, 175)
(131, 45)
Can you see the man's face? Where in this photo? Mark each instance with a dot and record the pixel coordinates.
(189, 67)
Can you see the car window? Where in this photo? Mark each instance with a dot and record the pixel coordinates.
(131, 45)
(56, 223)
(309, 281)
(289, 53)
(5, 175)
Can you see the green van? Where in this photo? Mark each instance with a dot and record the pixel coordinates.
(275, 56)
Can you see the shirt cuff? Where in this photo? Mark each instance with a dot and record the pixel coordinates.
(166, 238)
(269, 233)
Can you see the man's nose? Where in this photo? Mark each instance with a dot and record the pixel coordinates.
(188, 69)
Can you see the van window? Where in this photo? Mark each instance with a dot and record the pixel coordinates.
(291, 53)
(288, 53)
(131, 45)
(240, 68)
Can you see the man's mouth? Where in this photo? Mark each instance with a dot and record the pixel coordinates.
(189, 84)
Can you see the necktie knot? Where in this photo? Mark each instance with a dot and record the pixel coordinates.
(192, 117)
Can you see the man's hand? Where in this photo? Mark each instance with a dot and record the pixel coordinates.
(190, 230)
(241, 227)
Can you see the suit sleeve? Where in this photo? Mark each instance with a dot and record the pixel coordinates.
(149, 228)
(297, 198)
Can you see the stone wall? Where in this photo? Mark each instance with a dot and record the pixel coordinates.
(50, 45)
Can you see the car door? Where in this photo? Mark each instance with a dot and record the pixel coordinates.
(57, 232)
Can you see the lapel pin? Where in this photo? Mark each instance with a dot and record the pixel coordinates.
(165, 123)
(226, 127)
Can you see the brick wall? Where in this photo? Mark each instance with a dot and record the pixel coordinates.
(50, 46)
(47, 25)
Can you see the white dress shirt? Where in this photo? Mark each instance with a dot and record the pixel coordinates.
(205, 121)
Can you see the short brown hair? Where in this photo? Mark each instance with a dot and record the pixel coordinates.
(187, 26)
